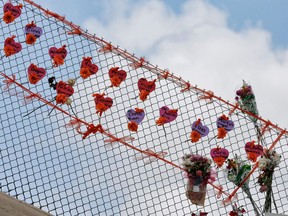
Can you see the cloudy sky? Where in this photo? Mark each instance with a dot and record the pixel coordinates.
(213, 44)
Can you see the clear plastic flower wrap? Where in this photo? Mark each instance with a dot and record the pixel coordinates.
(199, 173)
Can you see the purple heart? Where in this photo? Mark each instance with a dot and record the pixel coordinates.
(228, 125)
(36, 31)
(203, 130)
(170, 116)
(134, 116)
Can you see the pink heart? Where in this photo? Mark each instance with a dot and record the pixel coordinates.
(137, 117)
(228, 125)
(200, 128)
(11, 42)
(170, 116)
(250, 147)
(64, 88)
(120, 73)
(92, 67)
(219, 156)
(53, 51)
(36, 31)
(106, 101)
(148, 86)
(219, 152)
(40, 72)
(16, 11)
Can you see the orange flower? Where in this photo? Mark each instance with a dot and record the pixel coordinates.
(138, 110)
(8, 17)
(61, 98)
(85, 72)
(195, 136)
(100, 108)
(115, 81)
(221, 133)
(32, 24)
(252, 156)
(143, 95)
(8, 50)
(223, 117)
(58, 60)
(219, 161)
(133, 126)
(30, 39)
(161, 121)
(33, 78)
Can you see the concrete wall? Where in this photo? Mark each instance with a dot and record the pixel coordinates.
(10, 206)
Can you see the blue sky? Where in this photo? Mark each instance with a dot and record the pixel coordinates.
(267, 14)
(270, 15)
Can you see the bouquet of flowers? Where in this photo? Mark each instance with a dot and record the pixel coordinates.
(246, 99)
(237, 170)
(237, 211)
(267, 164)
(199, 172)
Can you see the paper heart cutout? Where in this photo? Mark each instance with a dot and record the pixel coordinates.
(116, 72)
(36, 31)
(16, 10)
(148, 86)
(137, 117)
(11, 42)
(93, 68)
(64, 88)
(219, 155)
(107, 101)
(40, 72)
(228, 125)
(200, 128)
(253, 151)
(170, 116)
(53, 51)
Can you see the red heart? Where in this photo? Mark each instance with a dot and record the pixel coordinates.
(16, 10)
(108, 102)
(64, 88)
(93, 68)
(170, 116)
(148, 86)
(53, 51)
(11, 42)
(219, 155)
(253, 151)
(40, 72)
(116, 72)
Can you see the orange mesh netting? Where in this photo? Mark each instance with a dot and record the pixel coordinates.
(68, 147)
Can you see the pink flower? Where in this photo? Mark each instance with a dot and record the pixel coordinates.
(263, 188)
(199, 173)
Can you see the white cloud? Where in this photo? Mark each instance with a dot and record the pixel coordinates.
(197, 45)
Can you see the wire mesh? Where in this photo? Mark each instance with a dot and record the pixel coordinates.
(51, 167)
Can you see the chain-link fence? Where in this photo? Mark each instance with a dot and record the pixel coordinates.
(45, 161)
